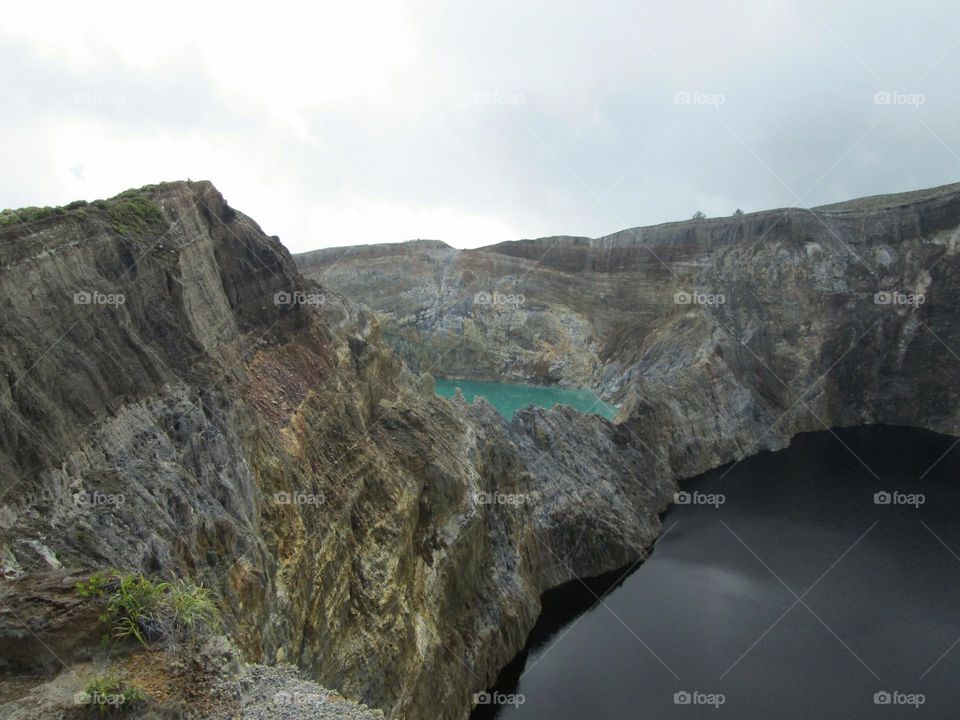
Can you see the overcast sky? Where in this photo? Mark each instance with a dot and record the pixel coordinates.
(478, 121)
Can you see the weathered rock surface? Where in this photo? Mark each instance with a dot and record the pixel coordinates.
(463, 313)
(208, 681)
(799, 341)
(234, 422)
(177, 399)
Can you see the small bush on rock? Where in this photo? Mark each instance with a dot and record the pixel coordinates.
(109, 695)
(152, 610)
(134, 216)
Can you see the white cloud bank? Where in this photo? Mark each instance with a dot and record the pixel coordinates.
(474, 122)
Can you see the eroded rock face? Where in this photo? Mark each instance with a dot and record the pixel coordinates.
(469, 314)
(232, 421)
(177, 399)
(596, 492)
(718, 338)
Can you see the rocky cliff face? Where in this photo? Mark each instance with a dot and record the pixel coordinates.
(718, 338)
(472, 314)
(177, 399)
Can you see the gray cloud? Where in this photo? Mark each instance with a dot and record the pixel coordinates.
(501, 120)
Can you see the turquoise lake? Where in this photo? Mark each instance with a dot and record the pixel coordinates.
(507, 398)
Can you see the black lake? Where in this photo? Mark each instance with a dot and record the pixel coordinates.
(804, 594)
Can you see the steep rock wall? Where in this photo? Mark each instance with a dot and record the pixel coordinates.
(232, 422)
(717, 338)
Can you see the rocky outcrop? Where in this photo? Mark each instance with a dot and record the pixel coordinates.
(178, 400)
(717, 338)
(468, 314)
(206, 681)
(593, 489)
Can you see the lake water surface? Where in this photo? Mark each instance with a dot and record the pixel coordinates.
(507, 398)
(803, 595)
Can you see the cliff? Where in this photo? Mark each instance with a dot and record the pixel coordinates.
(178, 400)
(718, 338)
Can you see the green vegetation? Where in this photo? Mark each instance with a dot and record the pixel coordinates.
(130, 213)
(134, 192)
(699, 215)
(134, 215)
(28, 214)
(109, 694)
(152, 610)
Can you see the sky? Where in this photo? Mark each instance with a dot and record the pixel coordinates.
(478, 121)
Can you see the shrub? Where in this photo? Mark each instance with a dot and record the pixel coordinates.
(110, 694)
(699, 215)
(190, 610)
(152, 610)
(32, 214)
(134, 215)
(27, 215)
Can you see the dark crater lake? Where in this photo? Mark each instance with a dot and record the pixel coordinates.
(804, 594)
